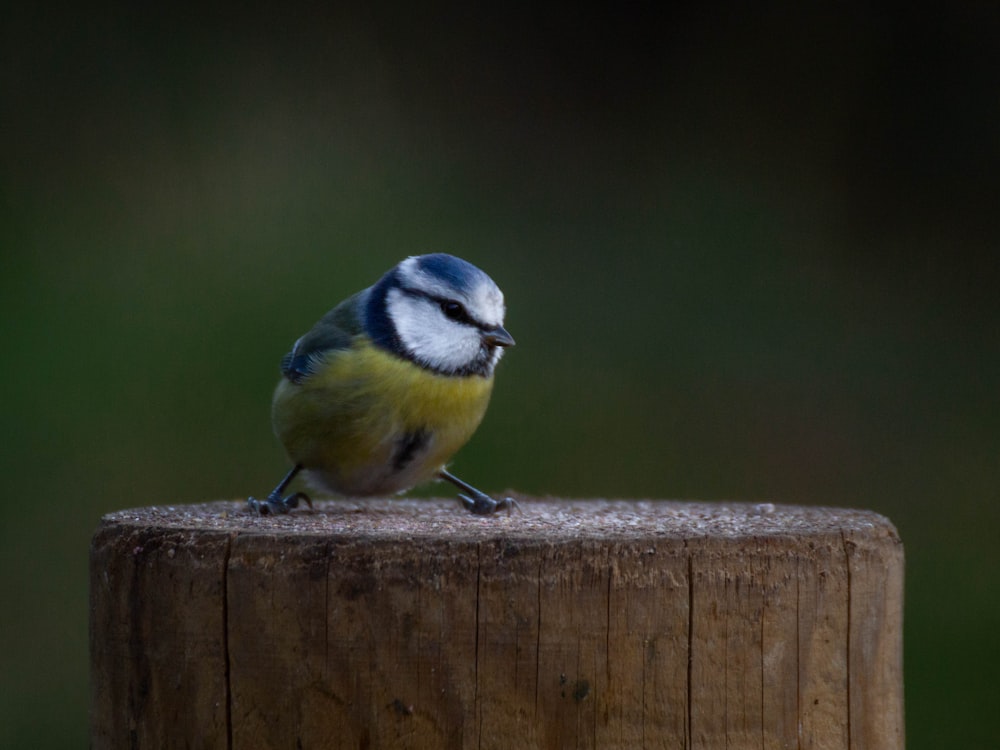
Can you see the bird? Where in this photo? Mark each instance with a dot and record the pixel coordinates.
(390, 383)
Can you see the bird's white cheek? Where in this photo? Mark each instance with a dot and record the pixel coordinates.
(429, 336)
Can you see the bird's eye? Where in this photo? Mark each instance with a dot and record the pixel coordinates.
(454, 310)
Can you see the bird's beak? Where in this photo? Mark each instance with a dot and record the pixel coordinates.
(497, 336)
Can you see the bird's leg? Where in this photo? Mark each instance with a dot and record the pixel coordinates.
(277, 504)
(476, 501)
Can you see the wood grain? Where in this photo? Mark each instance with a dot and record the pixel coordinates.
(575, 624)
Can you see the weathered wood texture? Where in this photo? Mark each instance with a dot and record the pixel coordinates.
(410, 624)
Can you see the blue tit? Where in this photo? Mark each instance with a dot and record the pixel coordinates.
(390, 383)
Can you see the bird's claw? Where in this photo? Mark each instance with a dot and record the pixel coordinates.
(276, 505)
(481, 504)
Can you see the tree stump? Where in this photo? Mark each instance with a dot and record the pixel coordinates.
(412, 624)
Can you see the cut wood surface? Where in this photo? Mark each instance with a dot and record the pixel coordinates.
(412, 624)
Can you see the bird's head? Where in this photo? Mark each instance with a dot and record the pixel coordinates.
(440, 312)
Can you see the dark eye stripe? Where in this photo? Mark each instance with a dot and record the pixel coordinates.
(452, 309)
(455, 311)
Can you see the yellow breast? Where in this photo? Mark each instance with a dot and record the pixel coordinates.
(350, 422)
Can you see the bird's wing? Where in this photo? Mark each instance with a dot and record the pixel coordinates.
(334, 331)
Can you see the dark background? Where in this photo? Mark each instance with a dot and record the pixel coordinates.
(749, 253)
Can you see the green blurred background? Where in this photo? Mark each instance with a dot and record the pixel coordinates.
(749, 253)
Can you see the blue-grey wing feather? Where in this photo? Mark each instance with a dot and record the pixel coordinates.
(334, 331)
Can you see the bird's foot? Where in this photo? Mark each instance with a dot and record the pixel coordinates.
(480, 504)
(476, 501)
(276, 505)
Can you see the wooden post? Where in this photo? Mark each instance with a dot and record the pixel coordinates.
(411, 624)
